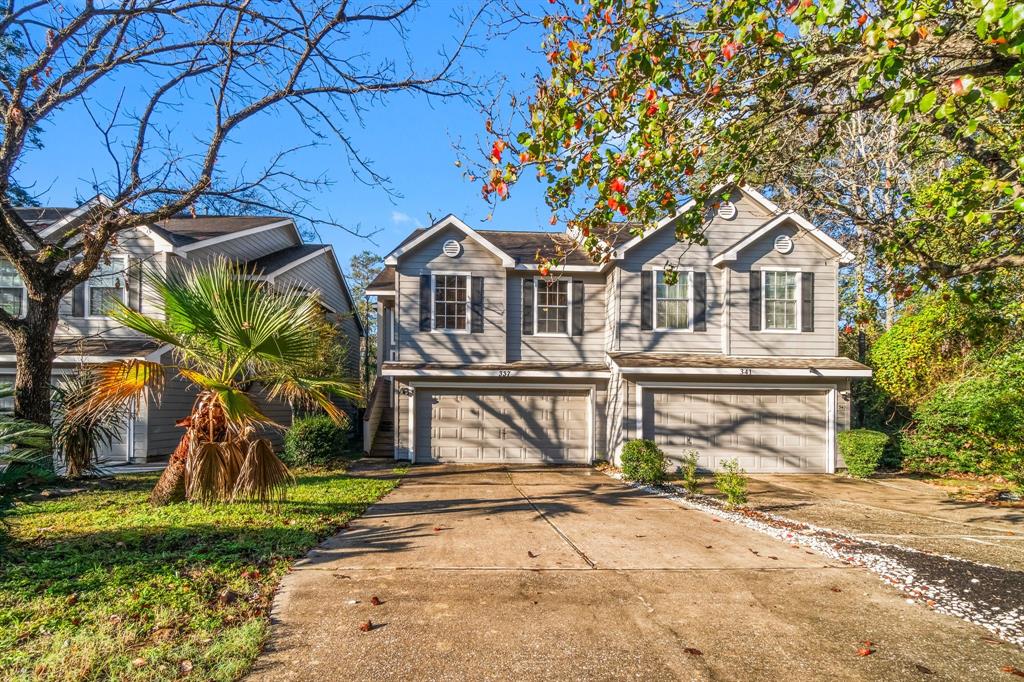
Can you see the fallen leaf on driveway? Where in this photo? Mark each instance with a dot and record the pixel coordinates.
(367, 626)
(717, 520)
(864, 651)
(924, 670)
(375, 600)
(438, 528)
(693, 652)
(835, 589)
(707, 546)
(1013, 671)
(531, 554)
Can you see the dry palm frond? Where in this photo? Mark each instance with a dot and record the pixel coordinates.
(264, 477)
(232, 459)
(204, 473)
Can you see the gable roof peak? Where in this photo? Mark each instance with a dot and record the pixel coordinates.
(450, 220)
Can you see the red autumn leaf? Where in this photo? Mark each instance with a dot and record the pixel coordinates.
(502, 189)
(375, 600)
(693, 652)
(618, 185)
(957, 87)
(650, 95)
(862, 19)
(366, 626)
(553, 220)
(729, 50)
(780, 36)
(607, 16)
(864, 651)
(792, 8)
(524, 157)
(652, 109)
(586, 231)
(1012, 670)
(613, 203)
(544, 270)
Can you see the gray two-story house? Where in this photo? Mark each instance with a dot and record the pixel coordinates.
(268, 248)
(483, 359)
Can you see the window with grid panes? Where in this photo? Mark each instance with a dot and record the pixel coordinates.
(450, 302)
(780, 300)
(552, 306)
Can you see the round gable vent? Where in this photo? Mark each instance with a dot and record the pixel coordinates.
(451, 248)
(783, 243)
(727, 210)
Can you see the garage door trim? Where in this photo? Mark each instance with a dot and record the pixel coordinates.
(590, 389)
(831, 391)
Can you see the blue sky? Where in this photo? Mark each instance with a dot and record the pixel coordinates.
(408, 138)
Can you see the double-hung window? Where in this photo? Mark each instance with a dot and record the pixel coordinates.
(451, 302)
(107, 286)
(672, 309)
(551, 300)
(781, 300)
(13, 298)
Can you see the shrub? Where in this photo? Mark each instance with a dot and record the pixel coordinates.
(731, 481)
(975, 425)
(643, 462)
(314, 440)
(862, 450)
(688, 469)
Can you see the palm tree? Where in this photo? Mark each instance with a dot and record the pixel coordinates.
(232, 336)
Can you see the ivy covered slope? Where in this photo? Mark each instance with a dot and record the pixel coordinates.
(648, 103)
(102, 586)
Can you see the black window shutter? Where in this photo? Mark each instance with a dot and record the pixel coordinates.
(700, 302)
(577, 308)
(647, 300)
(78, 301)
(755, 301)
(528, 306)
(476, 325)
(807, 301)
(135, 284)
(424, 303)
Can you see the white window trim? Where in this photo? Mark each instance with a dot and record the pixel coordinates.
(799, 301)
(124, 291)
(433, 302)
(537, 282)
(24, 299)
(688, 329)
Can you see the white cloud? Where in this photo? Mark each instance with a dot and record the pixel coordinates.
(399, 218)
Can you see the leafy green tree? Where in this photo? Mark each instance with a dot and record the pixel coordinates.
(649, 103)
(363, 268)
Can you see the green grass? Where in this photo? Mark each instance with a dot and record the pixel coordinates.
(102, 586)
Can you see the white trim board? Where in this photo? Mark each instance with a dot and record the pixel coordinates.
(450, 221)
(495, 373)
(212, 241)
(730, 254)
(745, 371)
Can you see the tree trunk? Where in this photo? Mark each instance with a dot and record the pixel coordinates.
(171, 486)
(34, 354)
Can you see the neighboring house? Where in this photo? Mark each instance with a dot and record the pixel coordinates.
(484, 360)
(270, 247)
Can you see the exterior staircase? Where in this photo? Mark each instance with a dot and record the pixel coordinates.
(379, 423)
(384, 440)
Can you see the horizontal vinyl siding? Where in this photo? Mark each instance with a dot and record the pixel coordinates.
(807, 255)
(662, 248)
(244, 249)
(589, 347)
(430, 346)
(318, 274)
(175, 403)
(136, 245)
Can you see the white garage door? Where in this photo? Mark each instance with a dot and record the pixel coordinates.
(768, 431)
(509, 426)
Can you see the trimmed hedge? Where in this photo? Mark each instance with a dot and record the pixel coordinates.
(862, 450)
(643, 461)
(314, 441)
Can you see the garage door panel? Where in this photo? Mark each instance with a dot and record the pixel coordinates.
(766, 430)
(520, 426)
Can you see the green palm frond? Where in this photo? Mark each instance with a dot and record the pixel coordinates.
(237, 405)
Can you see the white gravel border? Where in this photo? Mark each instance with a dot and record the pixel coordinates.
(1007, 625)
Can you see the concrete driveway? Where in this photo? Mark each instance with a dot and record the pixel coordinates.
(562, 573)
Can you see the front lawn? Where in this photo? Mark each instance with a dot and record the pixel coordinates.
(100, 585)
